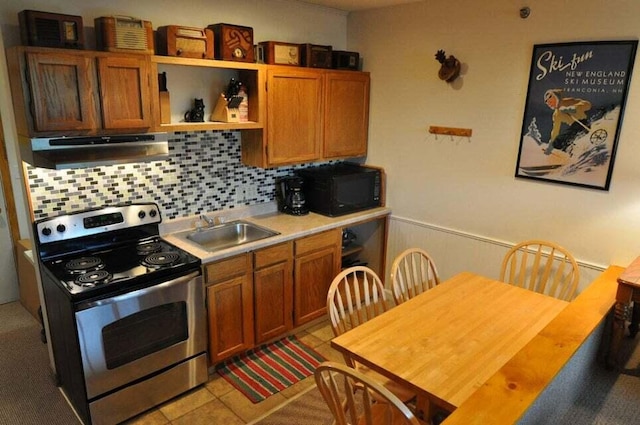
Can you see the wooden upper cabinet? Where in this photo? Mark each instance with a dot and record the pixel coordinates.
(346, 114)
(312, 114)
(125, 98)
(79, 92)
(294, 114)
(61, 87)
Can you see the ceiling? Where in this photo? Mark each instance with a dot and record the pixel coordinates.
(352, 5)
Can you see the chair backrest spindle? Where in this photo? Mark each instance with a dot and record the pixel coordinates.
(375, 404)
(412, 273)
(552, 270)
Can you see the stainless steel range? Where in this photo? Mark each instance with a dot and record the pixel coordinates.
(125, 311)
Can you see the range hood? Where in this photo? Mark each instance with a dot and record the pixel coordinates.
(61, 153)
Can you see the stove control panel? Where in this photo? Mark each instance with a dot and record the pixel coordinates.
(100, 220)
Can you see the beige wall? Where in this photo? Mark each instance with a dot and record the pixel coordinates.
(467, 188)
(280, 20)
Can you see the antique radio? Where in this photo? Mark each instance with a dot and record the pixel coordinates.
(233, 42)
(315, 56)
(345, 60)
(124, 34)
(51, 29)
(186, 42)
(279, 53)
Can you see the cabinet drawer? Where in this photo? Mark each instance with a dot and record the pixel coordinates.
(273, 254)
(225, 269)
(320, 240)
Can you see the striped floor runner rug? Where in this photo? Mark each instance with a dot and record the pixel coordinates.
(270, 368)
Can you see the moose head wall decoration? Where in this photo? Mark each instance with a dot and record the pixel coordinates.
(450, 66)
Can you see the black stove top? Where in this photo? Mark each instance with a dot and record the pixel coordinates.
(108, 250)
(93, 271)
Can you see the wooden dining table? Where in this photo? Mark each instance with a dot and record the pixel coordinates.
(448, 341)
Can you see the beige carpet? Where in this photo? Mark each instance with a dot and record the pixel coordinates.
(28, 395)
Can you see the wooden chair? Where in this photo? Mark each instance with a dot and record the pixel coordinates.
(355, 296)
(375, 405)
(543, 267)
(413, 272)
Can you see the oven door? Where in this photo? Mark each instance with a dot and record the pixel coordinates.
(129, 336)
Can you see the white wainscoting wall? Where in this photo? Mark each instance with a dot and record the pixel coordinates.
(456, 251)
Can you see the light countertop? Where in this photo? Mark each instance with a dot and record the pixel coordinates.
(266, 215)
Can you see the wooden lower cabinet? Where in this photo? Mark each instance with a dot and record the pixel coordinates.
(259, 296)
(273, 291)
(230, 306)
(317, 261)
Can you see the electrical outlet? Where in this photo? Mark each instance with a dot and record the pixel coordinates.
(245, 193)
(241, 195)
(251, 192)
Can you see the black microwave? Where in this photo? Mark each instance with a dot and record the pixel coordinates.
(340, 189)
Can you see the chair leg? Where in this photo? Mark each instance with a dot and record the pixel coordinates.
(635, 320)
(423, 408)
(439, 417)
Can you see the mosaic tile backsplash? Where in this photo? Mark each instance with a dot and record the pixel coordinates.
(204, 173)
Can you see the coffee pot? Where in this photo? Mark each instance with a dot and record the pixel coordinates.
(291, 196)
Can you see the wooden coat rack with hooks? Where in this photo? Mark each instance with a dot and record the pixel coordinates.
(450, 131)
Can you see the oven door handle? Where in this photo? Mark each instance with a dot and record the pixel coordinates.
(148, 290)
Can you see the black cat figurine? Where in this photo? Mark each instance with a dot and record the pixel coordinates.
(197, 113)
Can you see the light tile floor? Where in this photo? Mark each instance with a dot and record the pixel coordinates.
(218, 402)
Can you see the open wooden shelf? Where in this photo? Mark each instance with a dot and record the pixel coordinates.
(352, 249)
(211, 63)
(210, 76)
(210, 125)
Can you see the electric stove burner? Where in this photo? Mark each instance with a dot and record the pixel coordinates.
(149, 248)
(109, 250)
(84, 264)
(91, 279)
(161, 259)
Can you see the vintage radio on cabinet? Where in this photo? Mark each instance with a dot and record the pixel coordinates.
(124, 34)
(279, 53)
(233, 42)
(315, 56)
(186, 42)
(51, 29)
(346, 60)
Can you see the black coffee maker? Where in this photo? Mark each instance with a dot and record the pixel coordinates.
(290, 195)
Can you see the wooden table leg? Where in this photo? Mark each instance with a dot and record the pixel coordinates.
(620, 316)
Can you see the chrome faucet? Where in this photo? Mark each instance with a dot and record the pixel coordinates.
(211, 221)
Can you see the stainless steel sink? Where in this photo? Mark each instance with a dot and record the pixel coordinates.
(228, 235)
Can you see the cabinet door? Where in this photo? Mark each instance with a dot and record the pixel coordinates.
(273, 291)
(346, 114)
(314, 270)
(61, 87)
(124, 92)
(230, 307)
(274, 301)
(294, 116)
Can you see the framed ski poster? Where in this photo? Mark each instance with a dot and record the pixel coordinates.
(573, 112)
